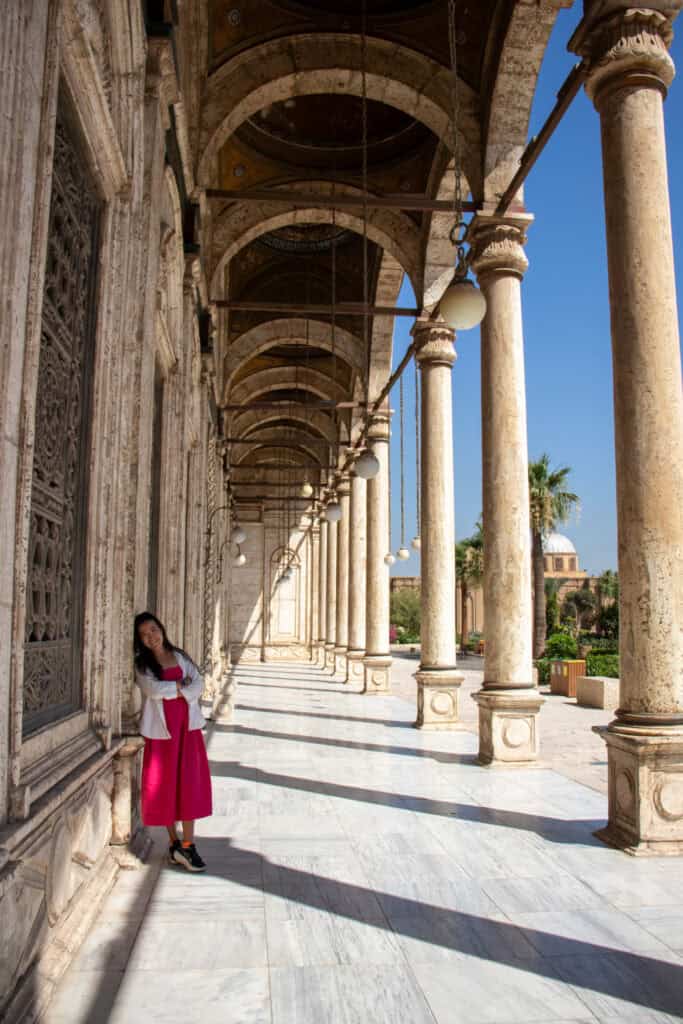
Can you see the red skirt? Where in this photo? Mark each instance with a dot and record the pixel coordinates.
(176, 782)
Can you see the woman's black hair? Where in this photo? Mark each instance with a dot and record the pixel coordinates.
(144, 658)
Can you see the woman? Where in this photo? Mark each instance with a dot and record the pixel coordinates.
(176, 782)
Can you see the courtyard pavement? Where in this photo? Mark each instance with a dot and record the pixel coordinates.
(362, 871)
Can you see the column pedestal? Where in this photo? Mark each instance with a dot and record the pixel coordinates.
(355, 672)
(645, 787)
(508, 732)
(438, 699)
(377, 673)
(330, 659)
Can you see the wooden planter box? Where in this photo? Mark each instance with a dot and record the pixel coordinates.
(564, 675)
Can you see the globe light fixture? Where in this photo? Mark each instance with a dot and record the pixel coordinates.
(416, 543)
(306, 489)
(333, 512)
(238, 536)
(367, 465)
(462, 305)
(240, 559)
(389, 559)
(403, 554)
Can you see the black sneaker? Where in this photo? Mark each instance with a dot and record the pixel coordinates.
(175, 845)
(189, 858)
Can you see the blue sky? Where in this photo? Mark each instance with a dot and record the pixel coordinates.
(566, 323)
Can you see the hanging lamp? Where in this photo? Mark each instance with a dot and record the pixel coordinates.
(462, 305)
(238, 535)
(306, 489)
(367, 465)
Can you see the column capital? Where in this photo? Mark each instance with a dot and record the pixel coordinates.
(497, 245)
(378, 428)
(628, 47)
(434, 342)
(344, 485)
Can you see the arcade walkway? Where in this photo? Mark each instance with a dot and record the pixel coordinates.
(361, 871)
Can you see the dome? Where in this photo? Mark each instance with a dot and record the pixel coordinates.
(558, 544)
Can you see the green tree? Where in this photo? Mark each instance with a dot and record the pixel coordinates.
(405, 611)
(580, 604)
(469, 570)
(552, 604)
(550, 504)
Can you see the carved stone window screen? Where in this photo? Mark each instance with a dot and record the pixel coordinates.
(57, 539)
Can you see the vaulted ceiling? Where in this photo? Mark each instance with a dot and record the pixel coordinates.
(281, 109)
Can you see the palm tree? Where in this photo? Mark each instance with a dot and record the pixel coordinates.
(469, 568)
(550, 504)
(608, 587)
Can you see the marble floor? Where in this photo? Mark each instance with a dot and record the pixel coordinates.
(361, 871)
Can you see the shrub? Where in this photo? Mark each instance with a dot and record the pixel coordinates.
(393, 635)
(602, 665)
(602, 645)
(561, 645)
(543, 666)
(608, 620)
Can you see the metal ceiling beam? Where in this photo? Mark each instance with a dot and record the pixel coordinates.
(300, 442)
(340, 309)
(537, 144)
(285, 403)
(409, 201)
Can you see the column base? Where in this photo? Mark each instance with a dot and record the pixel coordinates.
(508, 733)
(329, 664)
(355, 671)
(438, 698)
(645, 772)
(319, 653)
(224, 701)
(340, 661)
(377, 673)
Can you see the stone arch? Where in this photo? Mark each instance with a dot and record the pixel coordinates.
(261, 382)
(292, 331)
(299, 440)
(389, 283)
(439, 254)
(522, 53)
(241, 223)
(295, 455)
(313, 420)
(309, 63)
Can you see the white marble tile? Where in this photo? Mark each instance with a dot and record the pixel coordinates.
(529, 895)
(346, 995)
(210, 995)
(665, 923)
(593, 930)
(84, 997)
(194, 943)
(636, 989)
(478, 991)
(108, 945)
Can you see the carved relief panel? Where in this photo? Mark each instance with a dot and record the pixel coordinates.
(57, 541)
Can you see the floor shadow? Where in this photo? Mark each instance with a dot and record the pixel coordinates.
(391, 722)
(327, 741)
(636, 978)
(344, 687)
(558, 830)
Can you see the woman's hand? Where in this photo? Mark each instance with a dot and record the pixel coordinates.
(179, 689)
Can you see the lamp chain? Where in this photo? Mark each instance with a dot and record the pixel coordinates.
(417, 448)
(459, 229)
(403, 503)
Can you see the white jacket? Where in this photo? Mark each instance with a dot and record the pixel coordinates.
(153, 720)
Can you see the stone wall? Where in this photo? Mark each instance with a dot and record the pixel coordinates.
(69, 788)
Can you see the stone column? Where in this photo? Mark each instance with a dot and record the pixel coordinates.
(377, 660)
(357, 578)
(313, 588)
(630, 73)
(322, 594)
(331, 631)
(438, 681)
(342, 637)
(508, 701)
